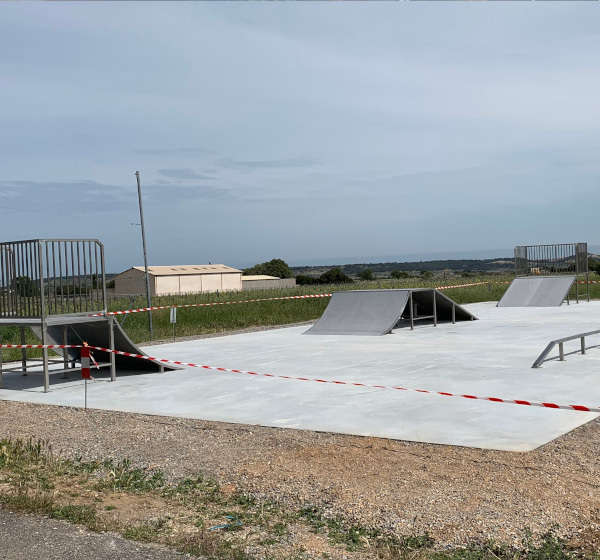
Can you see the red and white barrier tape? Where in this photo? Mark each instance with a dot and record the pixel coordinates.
(522, 402)
(213, 304)
(184, 305)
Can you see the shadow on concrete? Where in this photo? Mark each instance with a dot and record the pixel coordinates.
(34, 380)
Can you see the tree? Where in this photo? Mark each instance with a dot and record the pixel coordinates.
(366, 274)
(426, 274)
(399, 274)
(334, 276)
(274, 267)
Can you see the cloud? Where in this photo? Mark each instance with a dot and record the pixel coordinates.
(86, 196)
(184, 173)
(171, 151)
(268, 164)
(175, 192)
(28, 196)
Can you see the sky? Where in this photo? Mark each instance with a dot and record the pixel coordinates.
(312, 132)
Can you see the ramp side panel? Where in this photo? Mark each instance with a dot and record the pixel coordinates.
(368, 312)
(444, 305)
(547, 291)
(96, 333)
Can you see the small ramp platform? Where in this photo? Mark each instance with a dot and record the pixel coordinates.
(537, 291)
(378, 312)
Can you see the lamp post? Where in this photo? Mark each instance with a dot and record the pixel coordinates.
(148, 298)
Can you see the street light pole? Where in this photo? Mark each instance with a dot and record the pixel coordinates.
(148, 298)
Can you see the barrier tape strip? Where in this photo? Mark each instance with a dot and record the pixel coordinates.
(522, 402)
(212, 304)
(183, 305)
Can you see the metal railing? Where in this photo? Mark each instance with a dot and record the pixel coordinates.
(560, 342)
(41, 277)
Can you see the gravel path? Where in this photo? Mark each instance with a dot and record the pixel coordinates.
(452, 493)
(25, 537)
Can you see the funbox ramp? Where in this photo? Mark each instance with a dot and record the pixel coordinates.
(540, 291)
(95, 331)
(377, 312)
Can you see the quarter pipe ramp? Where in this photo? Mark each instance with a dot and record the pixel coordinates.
(537, 291)
(377, 312)
(95, 331)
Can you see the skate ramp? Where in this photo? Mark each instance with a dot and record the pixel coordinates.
(542, 291)
(377, 312)
(95, 331)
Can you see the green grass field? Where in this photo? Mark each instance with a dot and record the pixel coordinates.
(217, 319)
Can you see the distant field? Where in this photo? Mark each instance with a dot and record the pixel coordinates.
(197, 321)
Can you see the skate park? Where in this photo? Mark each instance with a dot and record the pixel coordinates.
(367, 367)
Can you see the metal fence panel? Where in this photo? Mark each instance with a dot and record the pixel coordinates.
(41, 277)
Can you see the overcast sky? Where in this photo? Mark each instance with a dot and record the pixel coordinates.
(310, 132)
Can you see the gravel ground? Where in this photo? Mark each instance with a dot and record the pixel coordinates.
(25, 537)
(455, 494)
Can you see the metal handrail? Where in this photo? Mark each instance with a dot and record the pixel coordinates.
(561, 350)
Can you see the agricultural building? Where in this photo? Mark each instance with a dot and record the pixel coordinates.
(184, 279)
(265, 282)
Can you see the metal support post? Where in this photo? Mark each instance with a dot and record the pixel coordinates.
(434, 308)
(453, 313)
(43, 313)
(583, 344)
(148, 298)
(561, 351)
(23, 352)
(65, 353)
(587, 284)
(412, 316)
(111, 327)
(45, 357)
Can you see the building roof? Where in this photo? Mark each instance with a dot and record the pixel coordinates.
(180, 270)
(260, 277)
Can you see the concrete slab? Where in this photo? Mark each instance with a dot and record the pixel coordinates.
(490, 357)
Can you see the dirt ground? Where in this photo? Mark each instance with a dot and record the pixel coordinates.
(454, 494)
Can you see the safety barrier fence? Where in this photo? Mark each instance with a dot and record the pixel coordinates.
(521, 402)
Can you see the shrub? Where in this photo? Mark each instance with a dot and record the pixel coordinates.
(366, 274)
(334, 276)
(303, 280)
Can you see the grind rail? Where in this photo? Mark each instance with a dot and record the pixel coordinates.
(560, 342)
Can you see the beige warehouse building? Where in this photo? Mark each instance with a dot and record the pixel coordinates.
(184, 279)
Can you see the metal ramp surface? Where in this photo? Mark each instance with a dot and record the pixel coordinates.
(537, 291)
(377, 312)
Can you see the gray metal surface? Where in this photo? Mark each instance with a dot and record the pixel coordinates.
(540, 291)
(96, 332)
(362, 312)
(377, 312)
